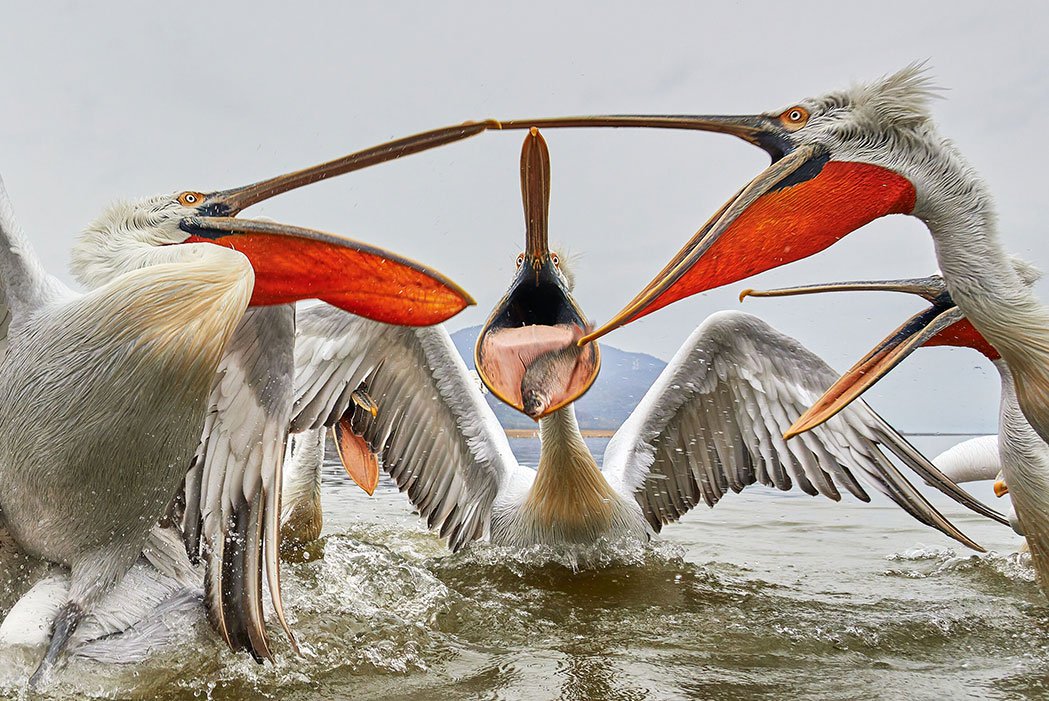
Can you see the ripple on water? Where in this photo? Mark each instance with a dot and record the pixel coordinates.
(391, 614)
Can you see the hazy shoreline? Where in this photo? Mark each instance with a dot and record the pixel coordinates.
(534, 432)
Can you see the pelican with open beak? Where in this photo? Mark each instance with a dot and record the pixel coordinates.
(711, 424)
(186, 324)
(839, 161)
(816, 191)
(1023, 457)
(942, 323)
(233, 500)
(527, 352)
(293, 263)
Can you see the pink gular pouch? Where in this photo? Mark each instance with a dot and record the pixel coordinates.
(528, 354)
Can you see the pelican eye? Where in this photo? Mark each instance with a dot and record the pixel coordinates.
(520, 259)
(190, 199)
(555, 259)
(795, 117)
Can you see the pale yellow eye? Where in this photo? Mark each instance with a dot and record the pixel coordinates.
(190, 199)
(520, 260)
(555, 259)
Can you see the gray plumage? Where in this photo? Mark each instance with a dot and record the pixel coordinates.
(712, 423)
(104, 395)
(233, 492)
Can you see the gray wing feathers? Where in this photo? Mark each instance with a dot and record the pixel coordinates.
(237, 475)
(714, 421)
(435, 435)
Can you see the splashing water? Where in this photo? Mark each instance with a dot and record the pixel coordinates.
(768, 596)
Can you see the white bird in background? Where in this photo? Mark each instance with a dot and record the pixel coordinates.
(1021, 455)
(711, 423)
(840, 161)
(105, 392)
(979, 460)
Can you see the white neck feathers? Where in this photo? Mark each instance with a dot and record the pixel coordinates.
(984, 282)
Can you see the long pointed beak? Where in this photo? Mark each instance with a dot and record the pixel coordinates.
(527, 353)
(292, 263)
(682, 276)
(913, 334)
(535, 196)
(929, 288)
(758, 129)
(231, 202)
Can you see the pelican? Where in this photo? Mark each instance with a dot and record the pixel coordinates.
(1022, 456)
(979, 460)
(711, 423)
(105, 392)
(231, 499)
(302, 518)
(839, 161)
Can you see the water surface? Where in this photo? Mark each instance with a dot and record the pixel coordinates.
(767, 596)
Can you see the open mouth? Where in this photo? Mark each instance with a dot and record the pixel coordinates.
(528, 353)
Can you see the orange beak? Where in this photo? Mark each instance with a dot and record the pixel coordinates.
(802, 204)
(913, 334)
(940, 323)
(360, 463)
(1000, 488)
(293, 263)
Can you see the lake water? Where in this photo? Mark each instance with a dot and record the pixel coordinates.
(767, 596)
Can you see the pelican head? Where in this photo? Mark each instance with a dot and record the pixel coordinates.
(942, 323)
(839, 161)
(527, 352)
(290, 262)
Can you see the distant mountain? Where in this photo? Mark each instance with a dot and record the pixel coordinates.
(624, 379)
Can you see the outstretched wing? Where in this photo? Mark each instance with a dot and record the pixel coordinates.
(435, 435)
(714, 421)
(233, 489)
(24, 284)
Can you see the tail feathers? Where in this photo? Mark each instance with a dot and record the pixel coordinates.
(251, 577)
(271, 551)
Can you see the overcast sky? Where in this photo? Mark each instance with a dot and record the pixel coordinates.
(120, 100)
